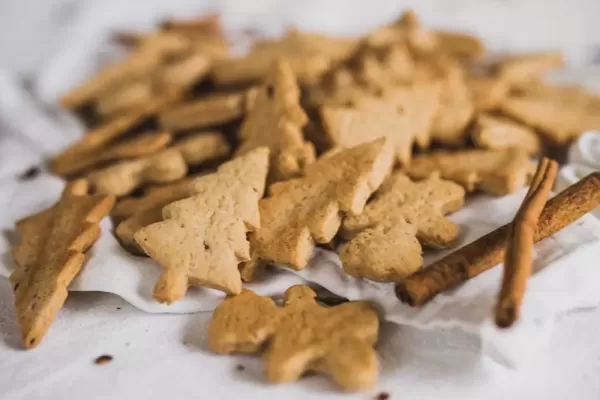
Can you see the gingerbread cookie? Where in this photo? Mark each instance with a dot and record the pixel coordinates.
(166, 166)
(275, 121)
(176, 75)
(437, 66)
(308, 55)
(153, 196)
(294, 40)
(208, 111)
(207, 24)
(171, 77)
(457, 45)
(420, 103)
(254, 67)
(498, 133)
(369, 70)
(337, 88)
(125, 231)
(373, 118)
(123, 99)
(300, 336)
(378, 68)
(399, 31)
(455, 113)
(174, 80)
(113, 130)
(202, 238)
(206, 35)
(528, 67)
(51, 253)
(301, 212)
(134, 213)
(568, 94)
(497, 172)
(557, 121)
(383, 245)
(182, 73)
(487, 92)
(138, 146)
(147, 58)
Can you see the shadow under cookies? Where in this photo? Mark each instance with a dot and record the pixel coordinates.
(242, 366)
(11, 236)
(444, 354)
(195, 332)
(10, 333)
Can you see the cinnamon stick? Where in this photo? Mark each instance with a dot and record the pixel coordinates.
(488, 251)
(519, 244)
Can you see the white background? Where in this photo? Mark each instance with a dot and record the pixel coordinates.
(49, 45)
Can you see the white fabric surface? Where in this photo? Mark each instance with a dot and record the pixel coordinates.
(584, 158)
(159, 356)
(29, 129)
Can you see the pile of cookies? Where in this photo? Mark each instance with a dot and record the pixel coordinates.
(217, 166)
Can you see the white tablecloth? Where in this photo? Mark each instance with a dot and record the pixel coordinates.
(158, 357)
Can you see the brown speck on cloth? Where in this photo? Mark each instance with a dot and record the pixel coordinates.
(103, 359)
(30, 173)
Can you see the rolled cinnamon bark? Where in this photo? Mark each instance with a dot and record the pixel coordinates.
(488, 251)
(519, 245)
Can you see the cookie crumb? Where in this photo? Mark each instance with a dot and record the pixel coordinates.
(239, 367)
(30, 173)
(103, 359)
(383, 396)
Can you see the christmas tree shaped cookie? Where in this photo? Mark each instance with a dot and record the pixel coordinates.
(51, 254)
(304, 211)
(202, 238)
(275, 121)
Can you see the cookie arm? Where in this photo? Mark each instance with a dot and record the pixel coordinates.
(352, 364)
(436, 231)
